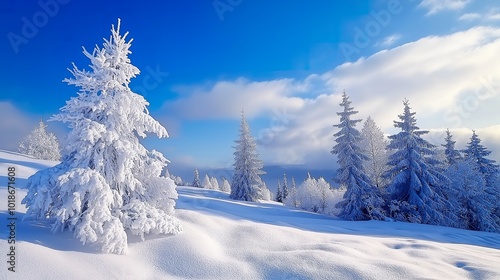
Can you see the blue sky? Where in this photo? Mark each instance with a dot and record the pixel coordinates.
(284, 62)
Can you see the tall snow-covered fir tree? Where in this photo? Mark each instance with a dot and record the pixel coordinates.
(417, 184)
(362, 200)
(374, 143)
(40, 144)
(247, 184)
(107, 182)
(477, 153)
(452, 155)
(196, 179)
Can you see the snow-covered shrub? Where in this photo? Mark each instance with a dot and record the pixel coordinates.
(40, 144)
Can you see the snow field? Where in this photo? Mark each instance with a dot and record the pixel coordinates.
(227, 239)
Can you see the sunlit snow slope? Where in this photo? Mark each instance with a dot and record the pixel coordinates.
(226, 239)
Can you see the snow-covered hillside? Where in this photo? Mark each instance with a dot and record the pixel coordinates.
(226, 239)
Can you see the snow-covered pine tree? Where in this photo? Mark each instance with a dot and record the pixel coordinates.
(417, 183)
(285, 187)
(292, 200)
(452, 155)
(362, 200)
(279, 194)
(247, 184)
(374, 143)
(107, 182)
(225, 186)
(196, 179)
(40, 144)
(214, 183)
(477, 153)
(471, 200)
(206, 183)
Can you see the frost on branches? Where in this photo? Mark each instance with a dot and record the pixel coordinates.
(40, 144)
(362, 200)
(247, 184)
(374, 143)
(107, 182)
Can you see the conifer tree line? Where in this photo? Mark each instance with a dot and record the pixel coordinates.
(404, 178)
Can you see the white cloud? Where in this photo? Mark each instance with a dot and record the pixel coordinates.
(469, 16)
(436, 6)
(227, 99)
(388, 41)
(492, 15)
(451, 81)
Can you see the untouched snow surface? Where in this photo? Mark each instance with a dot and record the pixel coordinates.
(226, 239)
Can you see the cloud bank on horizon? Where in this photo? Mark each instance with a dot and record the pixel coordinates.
(452, 81)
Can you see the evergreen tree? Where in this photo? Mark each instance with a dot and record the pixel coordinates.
(214, 183)
(452, 155)
(196, 179)
(361, 200)
(417, 183)
(247, 184)
(107, 182)
(374, 143)
(471, 200)
(206, 183)
(225, 187)
(40, 144)
(279, 195)
(477, 154)
(285, 187)
(292, 200)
